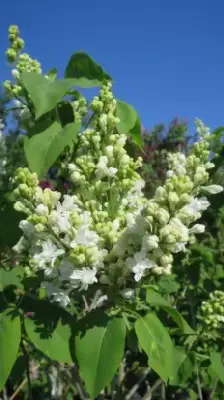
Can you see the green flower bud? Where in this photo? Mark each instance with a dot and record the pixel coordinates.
(11, 55)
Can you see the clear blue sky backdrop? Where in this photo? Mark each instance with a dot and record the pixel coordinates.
(166, 56)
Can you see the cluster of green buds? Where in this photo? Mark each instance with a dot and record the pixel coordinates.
(16, 44)
(21, 62)
(79, 108)
(212, 310)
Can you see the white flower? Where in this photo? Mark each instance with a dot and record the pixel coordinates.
(150, 242)
(139, 264)
(15, 73)
(84, 236)
(139, 185)
(122, 140)
(100, 256)
(197, 228)
(111, 172)
(169, 173)
(127, 293)
(61, 220)
(160, 194)
(60, 296)
(42, 210)
(179, 228)
(65, 270)
(27, 227)
(48, 255)
(103, 122)
(115, 225)
(109, 150)
(67, 204)
(209, 165)
(83, 277)
(213, 189)
(101, 167)
(180, 170)
(196, 205)
(178, 246)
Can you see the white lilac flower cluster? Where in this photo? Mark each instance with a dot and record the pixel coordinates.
(3, 154)
(212, 310)
(107, 232)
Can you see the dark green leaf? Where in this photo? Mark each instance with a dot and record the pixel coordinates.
(9, 225)
(43, 149)
(99, 351)
(44, 93)
(217, 365)
(52, 342)
(10, 333)
(154, 339)
(155, 299)
(85, 71)
(65, 113)
(12, 277)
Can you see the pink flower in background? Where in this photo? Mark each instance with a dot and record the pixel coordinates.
(29, 314)
(46, 184)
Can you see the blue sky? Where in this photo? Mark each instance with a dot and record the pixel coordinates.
(167, 57)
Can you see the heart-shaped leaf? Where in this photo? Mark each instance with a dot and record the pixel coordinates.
(10, 333)
(45, 93)
(154, 339)
(155, 299)
(99, 352)
(52, 342)
(85, 70)
(43, 149)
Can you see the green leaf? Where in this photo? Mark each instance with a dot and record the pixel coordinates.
(99, 351)
(11, 277)
(179, 356)
(43, 149)
(85, 71)
(217, 365)
(52, 74)
(154, 339)
(135, 133)
(169, 284)
(54, 342)
(44, 93)
(155, 299)
(10, 333)
(128, 117)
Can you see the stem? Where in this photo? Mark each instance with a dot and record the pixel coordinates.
(150, 390)
(163, 392)
(78, 384)
(200, 395)
(27, 361)
(4, 393)
(135, 388)
(95, 300)
(214, 387)
(22, 384)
